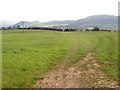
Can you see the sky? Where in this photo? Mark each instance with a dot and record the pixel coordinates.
(48, 10)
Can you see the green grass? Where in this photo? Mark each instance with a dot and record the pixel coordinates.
(29, 55)
(0, 59)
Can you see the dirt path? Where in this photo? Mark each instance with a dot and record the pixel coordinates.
(83, 74)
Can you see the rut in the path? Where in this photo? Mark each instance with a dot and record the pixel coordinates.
(83, 74)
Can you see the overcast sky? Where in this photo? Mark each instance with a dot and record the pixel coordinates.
(47, 10)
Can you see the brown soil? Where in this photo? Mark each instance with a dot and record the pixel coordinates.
(83, 74)
(80, 75)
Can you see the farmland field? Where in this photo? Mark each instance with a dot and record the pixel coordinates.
(1, 59)
(28, 56)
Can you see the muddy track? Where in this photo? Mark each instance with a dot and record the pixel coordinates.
(83, 74)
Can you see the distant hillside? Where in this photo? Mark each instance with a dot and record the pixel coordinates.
(5, 23)
(101, 21)
(26, 23)
(61, 22)
(37, 23)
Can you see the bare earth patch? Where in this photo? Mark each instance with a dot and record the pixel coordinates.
(83, 74)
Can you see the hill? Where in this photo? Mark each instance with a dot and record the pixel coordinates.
(26, 23)
(37, 23)
(101, 21)
(61, 22)
(5, 23)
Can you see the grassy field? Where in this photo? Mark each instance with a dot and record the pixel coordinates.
(26, 56)
(1, 59)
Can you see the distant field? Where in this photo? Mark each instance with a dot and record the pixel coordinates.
(31, 54)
